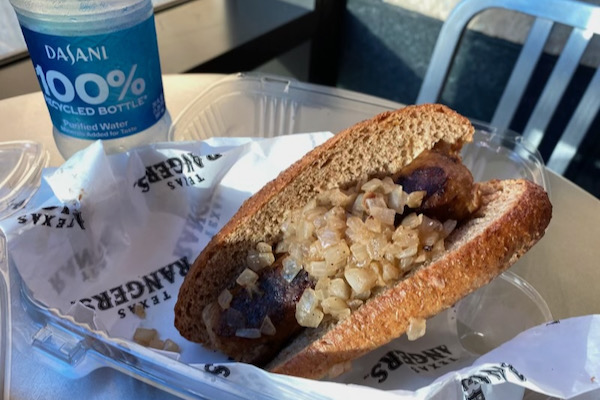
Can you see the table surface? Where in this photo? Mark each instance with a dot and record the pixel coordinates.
(563, 267)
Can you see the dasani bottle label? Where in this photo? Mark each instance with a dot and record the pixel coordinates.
(97, 88)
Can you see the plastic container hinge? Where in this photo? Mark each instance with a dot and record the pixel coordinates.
(59, 344)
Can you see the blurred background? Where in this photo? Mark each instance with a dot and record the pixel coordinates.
(378, 47)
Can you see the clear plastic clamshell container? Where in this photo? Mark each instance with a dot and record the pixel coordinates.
(21, 165)
(260, 106)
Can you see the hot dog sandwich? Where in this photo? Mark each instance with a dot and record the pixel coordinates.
(357, 243)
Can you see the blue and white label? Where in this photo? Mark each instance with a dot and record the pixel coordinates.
(100, 86)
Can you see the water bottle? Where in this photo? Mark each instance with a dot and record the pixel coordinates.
(99, 71)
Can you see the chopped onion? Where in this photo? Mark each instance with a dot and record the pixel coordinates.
(266, 259)
(171, 346)
(354, 304)
(406, 263)
(449, 226)
(144, 336)
(360, 254)
(336, 218)
(288, 227)
(421, 258)
(247, 279)
(415, 199)
(263, 247)
(224, 299)
(339, 369)
(307, 312)
(321, 294)
(373, 225)
(313, 214)
(364, 296)
(438, 247)
(335, 307)
(318, 269)
(428, 240)
(298, 250)
(372, 185)
(355, 223)
(267, 327)
(383, 214)
(374, 202)
(322, 288)
(305, 230)
(388, 185)
(248, 333)
(308, 301)
(323, 284)
(149, 338)
(412, 220)
(341, 314)
(360, 279)
(336, 257)
(311, 319)
(377, 269)
(309, 206)
(257, 261)
(328, 237)
(397, 199)
(389, 271)
(430, 225)
(376, 247)
(339, 288)
(335, 197)
(416, 328)
(358, 205)
(290, 268)
(282, 247)
(156, 343)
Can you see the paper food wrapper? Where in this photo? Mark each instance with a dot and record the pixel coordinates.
(106, 237)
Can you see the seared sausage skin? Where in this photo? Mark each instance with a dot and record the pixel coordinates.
(449, 187)
(275, 298)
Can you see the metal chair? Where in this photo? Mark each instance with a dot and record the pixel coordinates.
(585, 20)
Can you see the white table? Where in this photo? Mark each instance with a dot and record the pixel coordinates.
(563, 267)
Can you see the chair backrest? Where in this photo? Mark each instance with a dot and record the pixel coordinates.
(585, 20)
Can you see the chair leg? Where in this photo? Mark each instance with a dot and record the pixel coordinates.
(326, 43)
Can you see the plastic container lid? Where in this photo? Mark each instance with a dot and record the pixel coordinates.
(509, 299)
(21, 165)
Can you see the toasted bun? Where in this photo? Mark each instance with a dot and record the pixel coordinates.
(382, 145)
(514, 216)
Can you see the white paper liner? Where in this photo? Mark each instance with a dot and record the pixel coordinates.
(110, 232)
